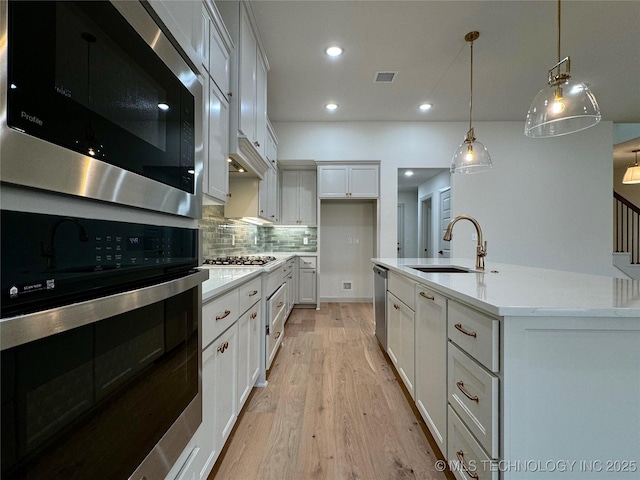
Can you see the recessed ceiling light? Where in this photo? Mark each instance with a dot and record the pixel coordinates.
(408, 173)
(425, 106)
(334, 51)
(331, 106)
(163, 106)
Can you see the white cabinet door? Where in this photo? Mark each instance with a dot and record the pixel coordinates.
(333, 181)
(260, 139)
(268, 196)
(216, 183)
(290, 191)
(248, 51)
(244, 344)
(307, 197)
(364, 181)
(400, 339)
(225, 374)
(307, 289)
(255, 336)
(431, 362)
(298, 197)
(219, 58)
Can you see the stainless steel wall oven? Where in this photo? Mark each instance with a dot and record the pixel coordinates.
(98, 103)
(100, 341)
(101, 157)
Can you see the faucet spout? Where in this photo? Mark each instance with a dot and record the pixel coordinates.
(481, 249)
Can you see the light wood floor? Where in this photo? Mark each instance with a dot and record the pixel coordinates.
(333, 409)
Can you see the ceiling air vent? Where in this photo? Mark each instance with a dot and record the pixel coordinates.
(384, 77)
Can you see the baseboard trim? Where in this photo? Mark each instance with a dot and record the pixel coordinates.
(346, 300)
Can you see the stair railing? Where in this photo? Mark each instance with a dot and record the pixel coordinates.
(626, 227)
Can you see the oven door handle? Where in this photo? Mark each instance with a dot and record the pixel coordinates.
(21, 329)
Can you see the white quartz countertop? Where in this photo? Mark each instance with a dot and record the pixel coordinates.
(512, 290)
(222, 279)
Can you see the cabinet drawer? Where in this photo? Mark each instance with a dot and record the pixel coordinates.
(274, 280)
(463, 449)
(307, 262)
(249, 294)
(276, 304)
(218, 315)
(403, 288)
(473, 394)
(475, 333)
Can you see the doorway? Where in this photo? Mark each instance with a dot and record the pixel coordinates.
(426, 245)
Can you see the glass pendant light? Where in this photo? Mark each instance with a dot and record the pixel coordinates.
(471, 156)
(632, 175)
(564, 106)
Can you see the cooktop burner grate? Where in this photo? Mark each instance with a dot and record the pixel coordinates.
(244, 261)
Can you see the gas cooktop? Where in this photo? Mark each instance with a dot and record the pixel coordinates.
(237, 261)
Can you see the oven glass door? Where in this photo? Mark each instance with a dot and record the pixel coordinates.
(93, 401)
(82, 78)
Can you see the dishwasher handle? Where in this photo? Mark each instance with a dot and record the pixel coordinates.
(378, 270)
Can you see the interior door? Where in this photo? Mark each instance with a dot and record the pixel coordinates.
(445, 218)
(401, 248)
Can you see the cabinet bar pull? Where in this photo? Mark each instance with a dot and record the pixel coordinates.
(279, 305)
(460, 455)
(226, 314)
(223, 347)
(255, 292)
(396, 306)
(277, 335)
(254, 315)
(460, 385)
(428, 297)
(466, 332)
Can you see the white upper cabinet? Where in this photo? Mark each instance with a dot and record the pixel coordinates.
(298, 189)
(184, 21)
(248, 86)
(348, 180)
(215, 47)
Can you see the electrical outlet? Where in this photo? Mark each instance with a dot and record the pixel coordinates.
(233, 240)
(347, 285)
(474, 237)
(349, 241)
(305, 240)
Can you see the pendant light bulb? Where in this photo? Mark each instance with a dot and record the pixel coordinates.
(471, 156)
(564, 106)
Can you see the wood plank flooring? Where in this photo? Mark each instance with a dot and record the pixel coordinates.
(333, 409)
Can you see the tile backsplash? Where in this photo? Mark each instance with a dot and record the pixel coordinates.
(225, 236)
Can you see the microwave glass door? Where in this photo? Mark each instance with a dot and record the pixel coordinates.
(82, 78)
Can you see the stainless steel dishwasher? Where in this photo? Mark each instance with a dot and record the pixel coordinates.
(380, 303)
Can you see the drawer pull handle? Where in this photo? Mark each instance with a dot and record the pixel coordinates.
(460, 385)
(428, 297)
(254, 315)
(460, 455)
(466, 332)
(226, 314)
(223, 347)
(279, 305)
(396, 306)
(277, 335)
(255, 292)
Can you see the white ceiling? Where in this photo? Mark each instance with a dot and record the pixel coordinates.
(423, 40)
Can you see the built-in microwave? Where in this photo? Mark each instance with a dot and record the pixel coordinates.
(97, 102)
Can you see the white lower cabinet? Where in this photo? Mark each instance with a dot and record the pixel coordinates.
(307, 280)
(400, 339)
(248, 352)
(431, 362)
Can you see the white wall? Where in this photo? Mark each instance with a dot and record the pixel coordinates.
(410, 201)
(347, 231)
(547, 202)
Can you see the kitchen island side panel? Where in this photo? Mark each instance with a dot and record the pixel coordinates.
(571, 398)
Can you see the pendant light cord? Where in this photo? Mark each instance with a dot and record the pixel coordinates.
(559, 28)
(471, 87)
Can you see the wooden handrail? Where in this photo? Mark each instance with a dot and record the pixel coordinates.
(626, 228)
(626, 202)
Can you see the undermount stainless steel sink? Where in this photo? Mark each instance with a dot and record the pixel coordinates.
(440, 269)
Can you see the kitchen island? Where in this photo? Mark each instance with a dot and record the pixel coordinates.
(520, 372)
